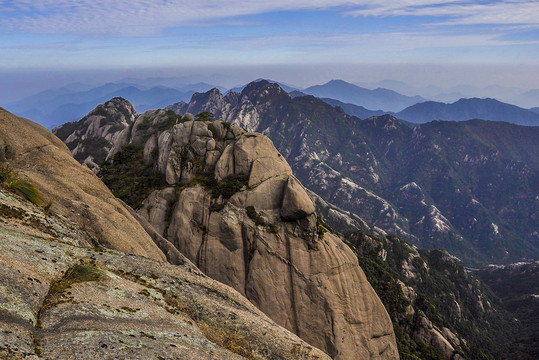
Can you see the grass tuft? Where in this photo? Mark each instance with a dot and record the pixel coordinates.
(9, 177)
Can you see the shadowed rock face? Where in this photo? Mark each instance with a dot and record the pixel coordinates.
(232, 206)
(91, 138)
(74, 190)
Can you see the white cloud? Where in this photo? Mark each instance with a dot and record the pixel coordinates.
(470, 13)
(150, 17)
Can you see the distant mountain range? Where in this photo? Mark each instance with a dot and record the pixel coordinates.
(69, 103)
(54, 107)
(466, 109)
(376, 99)
(463, 109)
(509, 94)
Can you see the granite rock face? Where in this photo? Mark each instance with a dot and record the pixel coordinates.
(73, 190)
(232, 206)
(63, 298)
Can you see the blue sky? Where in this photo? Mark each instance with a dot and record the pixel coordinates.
(146, 34)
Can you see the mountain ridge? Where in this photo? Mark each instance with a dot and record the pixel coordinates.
(426, 329)
(379, 98)
(466, 109)
(351, 161)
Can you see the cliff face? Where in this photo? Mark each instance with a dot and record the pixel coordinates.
(229, 202)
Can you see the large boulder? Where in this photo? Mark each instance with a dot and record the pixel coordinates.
(304, 278)
(296, 203)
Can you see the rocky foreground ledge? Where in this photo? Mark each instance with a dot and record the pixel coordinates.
(63, 298)
(67, 292)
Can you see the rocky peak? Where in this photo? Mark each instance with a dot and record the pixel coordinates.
(211, 101)
(230, 204)
(91, 138)
(260, 91)
(179, 107)
(81, 277)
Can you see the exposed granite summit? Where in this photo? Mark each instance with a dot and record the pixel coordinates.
(262, 238)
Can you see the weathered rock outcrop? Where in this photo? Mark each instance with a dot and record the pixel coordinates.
(232, 206)
(75, 192)
(90, 139)
(61, 298)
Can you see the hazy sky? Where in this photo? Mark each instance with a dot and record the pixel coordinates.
(304, 42)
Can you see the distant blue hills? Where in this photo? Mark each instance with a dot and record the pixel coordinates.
(466, 109)
(380, 98)
(364, 103)
(53, 107)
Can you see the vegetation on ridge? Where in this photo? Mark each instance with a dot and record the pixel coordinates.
(10, 179)
(444, 292)
(129, 177)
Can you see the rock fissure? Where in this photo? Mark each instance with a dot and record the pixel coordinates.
(295, 324)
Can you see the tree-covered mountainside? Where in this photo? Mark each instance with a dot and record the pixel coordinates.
(439, 310)
(469, 187)
(517, 285)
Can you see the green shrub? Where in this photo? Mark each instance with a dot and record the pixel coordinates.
(129, 177)
(217, 207)
(171, 119)
(204, 116)
(230, 185)
(9, 177)
(6, 173)
(144, 124)
(83, 273)
(213, 130)
(253, 215)
(27, 189)
(320, 228)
